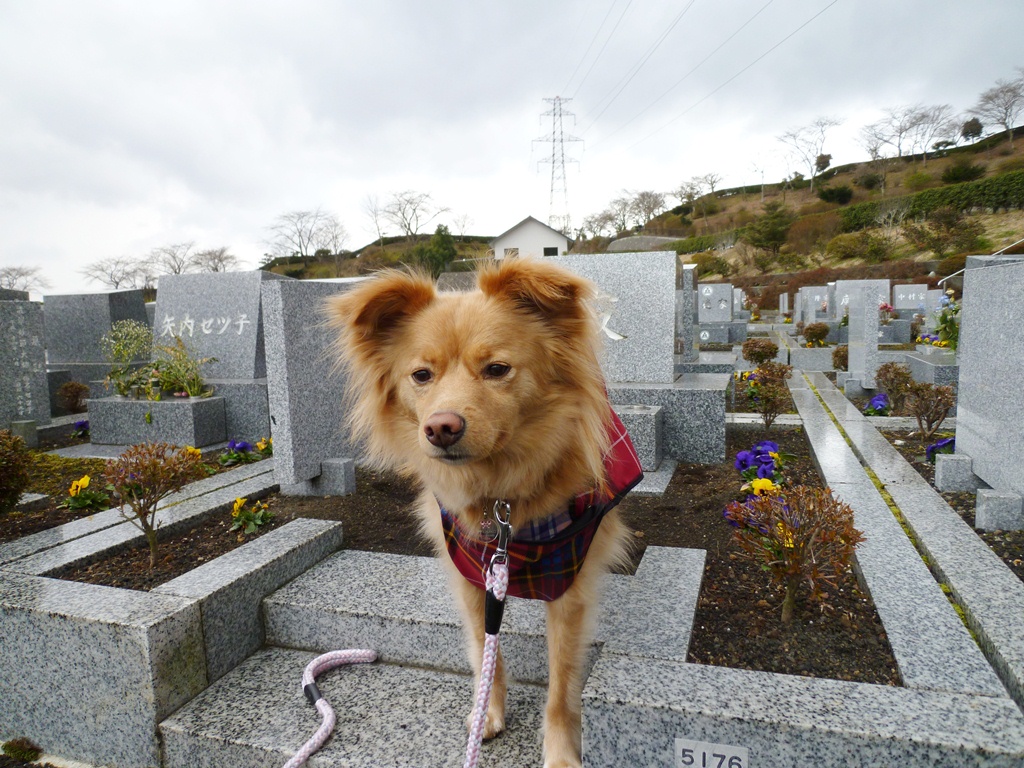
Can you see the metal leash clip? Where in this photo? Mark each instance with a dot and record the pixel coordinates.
(504, 530)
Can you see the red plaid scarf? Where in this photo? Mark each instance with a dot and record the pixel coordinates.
(544, 559)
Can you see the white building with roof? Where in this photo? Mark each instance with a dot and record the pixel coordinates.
(530, 238)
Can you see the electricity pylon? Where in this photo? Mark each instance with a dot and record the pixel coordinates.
(558, 207)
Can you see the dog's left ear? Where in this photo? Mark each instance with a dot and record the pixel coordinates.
(538, 287)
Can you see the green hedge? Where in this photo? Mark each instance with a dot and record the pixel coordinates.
(700, 243)
(1004, 192)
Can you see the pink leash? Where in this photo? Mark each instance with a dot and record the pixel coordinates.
(496, 577)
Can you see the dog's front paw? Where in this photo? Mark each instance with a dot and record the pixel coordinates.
(494, 722)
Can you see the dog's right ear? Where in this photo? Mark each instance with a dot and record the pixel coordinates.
(372, 310)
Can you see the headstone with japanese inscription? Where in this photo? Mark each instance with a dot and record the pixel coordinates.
(714, 302)
(863, 339)
(24, 394)
(218, 315)
(910, 298)
(879, 289)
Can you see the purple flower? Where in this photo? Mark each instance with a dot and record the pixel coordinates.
(946, 445)
(744, 460)
(239, 447)
(766, 446)
(766, 470)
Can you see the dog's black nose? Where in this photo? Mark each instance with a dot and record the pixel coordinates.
(445, 429)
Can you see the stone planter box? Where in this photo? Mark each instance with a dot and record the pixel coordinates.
(91, 671)
(196, 421)
(896, 332)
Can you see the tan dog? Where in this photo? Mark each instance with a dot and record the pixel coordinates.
(486, 395)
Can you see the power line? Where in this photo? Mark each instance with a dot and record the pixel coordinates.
(606, 41)
(720, 87)
(678, 82)
(592, 41)
(635, 70)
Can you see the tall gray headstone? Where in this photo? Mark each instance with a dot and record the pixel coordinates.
(911, 298)
(219, 315)
(637, 307)
(75, 324)
(714, 302)
(990, 411)
(686, 314)
(24, 395)
(305, 390)
(812, 297)
(8, 294)
(863, 343)
(844, 288)
(783, 303)
(830, 297)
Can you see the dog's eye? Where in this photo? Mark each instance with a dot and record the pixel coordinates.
(497, 370)
(422, 376)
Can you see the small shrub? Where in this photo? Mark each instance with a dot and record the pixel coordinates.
(15, 461)
(929, 404)
(894, 380)
(841, 358)
(178, 370)
(22, 749)
(145, 474)
(1011, 165)
(803, 537)
(128, 342)
(767, 391)
(71, 396)
(962, 170)
(841, 194)
(948, 325)
(757, 351)
(816, 333)
(918, 180)
(845, 246)
(869, 180)
(810, 232)
(710, 264)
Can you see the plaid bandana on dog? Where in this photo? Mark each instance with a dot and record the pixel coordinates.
(544, 558)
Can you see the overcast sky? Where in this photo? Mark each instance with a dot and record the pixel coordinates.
(129, 125)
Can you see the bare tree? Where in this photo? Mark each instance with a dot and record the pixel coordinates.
(599, 224)
(411, 211)
(646, 205)
(120, 272)
(1002, 104)
(175, 259)
(621, 211)
(808, 141)
(709, 182)
(871, 138)
(215, 260)
(461, 223)
(931, 123)
(22, 279)
(302, 233)
(375, 212)
(896, 128)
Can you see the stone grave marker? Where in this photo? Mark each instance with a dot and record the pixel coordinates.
(636, 305)
(305, 390)
(219, 315)
(715, 303)
(812, 297)
(830, 297)
(990, 412)
(24, 395)
(686, 314)
(8, 294)
(783, 304)
(879, 288)
(76, 322)
(910, 298)
(863, 339)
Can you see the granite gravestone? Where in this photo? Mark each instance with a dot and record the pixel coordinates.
(24, 395)
(714, 303)
(812, 297)
(8, 294)
(75, 324)
(636, 305)
(863, 343)
(686, 314)
(783, 304)
(910, 298)
(306, 391)
(218, 315)
(990, 412)
(878, 288)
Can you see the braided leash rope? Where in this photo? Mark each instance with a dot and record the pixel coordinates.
(497, 585)
(315, 667)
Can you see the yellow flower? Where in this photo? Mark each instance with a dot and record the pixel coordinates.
(84, 482)
(762, 485)
(193, 451)
(784, 535)
(78, 486)
(239, 503)
(261, 445)
(775, 457)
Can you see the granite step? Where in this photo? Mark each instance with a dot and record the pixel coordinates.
(401, 607)
(388, 715)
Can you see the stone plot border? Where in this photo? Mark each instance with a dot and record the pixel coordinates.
(991, 596)
(90, 670)
(953, 710)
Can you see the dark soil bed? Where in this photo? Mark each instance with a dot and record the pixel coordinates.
(738, 618)
(1008, 545)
